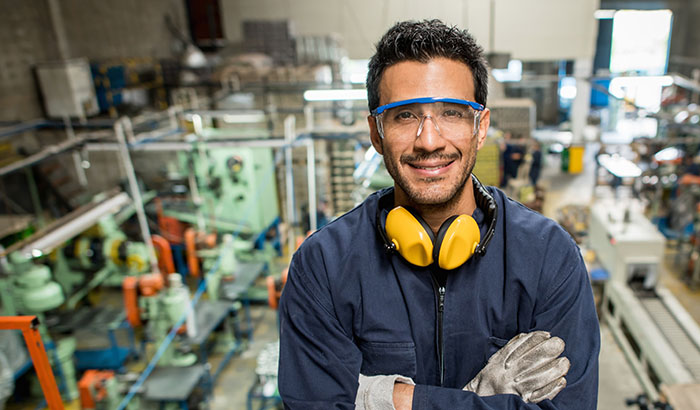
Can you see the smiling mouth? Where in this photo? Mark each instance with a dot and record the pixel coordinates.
(432, 167)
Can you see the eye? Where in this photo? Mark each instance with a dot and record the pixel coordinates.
(453, 113)
(404, 116)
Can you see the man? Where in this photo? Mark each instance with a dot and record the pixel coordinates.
(512, 156)
(536, 164)
(422, 323)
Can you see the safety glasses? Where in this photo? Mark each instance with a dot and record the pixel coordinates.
(450, 116)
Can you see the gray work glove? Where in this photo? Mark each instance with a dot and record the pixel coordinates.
(377, 392)
(529, 366)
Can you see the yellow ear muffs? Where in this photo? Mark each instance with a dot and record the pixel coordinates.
(412, 240)
(457, 241)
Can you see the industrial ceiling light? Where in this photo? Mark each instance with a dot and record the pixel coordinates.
(335, 95)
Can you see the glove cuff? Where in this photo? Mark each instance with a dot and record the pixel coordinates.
(377, 392)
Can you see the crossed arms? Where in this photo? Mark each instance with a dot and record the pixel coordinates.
(320, 362)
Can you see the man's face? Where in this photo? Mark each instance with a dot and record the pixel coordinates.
(431, 168)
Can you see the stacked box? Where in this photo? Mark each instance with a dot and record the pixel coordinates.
(514, 115)
(342, 163)
(319, 49)
(488, 164)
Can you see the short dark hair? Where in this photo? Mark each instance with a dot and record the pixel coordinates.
(422, 41)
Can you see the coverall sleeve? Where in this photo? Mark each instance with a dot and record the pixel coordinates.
(319, 363)
(567, 311)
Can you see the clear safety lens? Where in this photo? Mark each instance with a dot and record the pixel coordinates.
(449, 119)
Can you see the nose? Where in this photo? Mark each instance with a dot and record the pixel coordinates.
(429, 138)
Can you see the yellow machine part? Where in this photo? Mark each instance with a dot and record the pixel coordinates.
(114, 252)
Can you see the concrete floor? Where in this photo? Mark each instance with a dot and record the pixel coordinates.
(231, 390)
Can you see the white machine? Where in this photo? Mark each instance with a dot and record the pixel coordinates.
(657, 335)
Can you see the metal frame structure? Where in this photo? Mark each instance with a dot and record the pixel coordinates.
(29, 325)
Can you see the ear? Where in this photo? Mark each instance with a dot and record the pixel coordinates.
(374, 135)
(484, 123)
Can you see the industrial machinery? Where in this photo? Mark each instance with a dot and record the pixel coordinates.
(29, 289)
(232, 187)
(107, 248)
(58, 267)
(658, 337)
(98, 390)
(146, 300)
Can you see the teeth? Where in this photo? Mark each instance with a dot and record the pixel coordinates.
(430, 168)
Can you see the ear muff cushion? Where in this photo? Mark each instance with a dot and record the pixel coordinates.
(458, 242)
(410, 237)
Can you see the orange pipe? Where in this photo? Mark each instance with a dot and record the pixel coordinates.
(165, 254)
(93, 381)
(28, 325)
(274, 288)
(131, 304)
(150, 284)
(271, 293)
(191, 250)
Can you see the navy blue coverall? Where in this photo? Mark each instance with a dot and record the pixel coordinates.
(349, 307)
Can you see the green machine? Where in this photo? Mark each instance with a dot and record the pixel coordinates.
(233, 188)
(33, 290)
(29, 289)
(104, 249)
(163, 308)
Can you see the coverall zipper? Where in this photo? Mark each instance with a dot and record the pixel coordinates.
(440, 293)
(441, 341)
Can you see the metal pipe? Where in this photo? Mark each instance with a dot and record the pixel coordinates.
(311, 178)
(51, 151)
(257, 115)
(188, 146)
(135, 193)
(64, 231)
(309, 117)
(22, 127)
(77, 161)
(59, 30)
(289, 136)
(128, 128)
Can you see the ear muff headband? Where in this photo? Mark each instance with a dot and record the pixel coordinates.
(457, 240)
(488, 206)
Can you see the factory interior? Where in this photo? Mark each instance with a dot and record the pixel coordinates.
(162, 160)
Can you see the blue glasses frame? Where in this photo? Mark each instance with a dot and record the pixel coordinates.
(424, 100)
